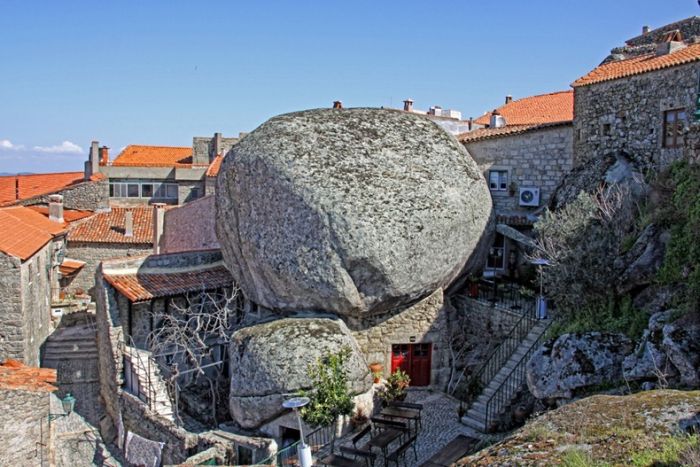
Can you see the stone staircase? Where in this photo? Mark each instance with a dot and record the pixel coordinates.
(501, 390)
(152, 389)
(70, 343)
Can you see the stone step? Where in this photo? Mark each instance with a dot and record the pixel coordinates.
(474, 424)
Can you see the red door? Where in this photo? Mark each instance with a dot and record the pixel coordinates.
(414, 359)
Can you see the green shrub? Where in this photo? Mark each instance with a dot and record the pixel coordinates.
(330, 396)
(396, 386)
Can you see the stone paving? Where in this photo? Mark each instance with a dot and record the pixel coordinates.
(440, 424)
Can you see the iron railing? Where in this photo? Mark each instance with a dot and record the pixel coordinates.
(512, 384)
(505, 295)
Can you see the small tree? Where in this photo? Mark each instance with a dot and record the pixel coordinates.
(330, 396)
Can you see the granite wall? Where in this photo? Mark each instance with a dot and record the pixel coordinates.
(190, 227)
(24, 438)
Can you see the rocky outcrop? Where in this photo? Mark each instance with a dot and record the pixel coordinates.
(641, 264)
(649, 362)
(576, 361)
(269, 361)
(351, 211)
(681, 342)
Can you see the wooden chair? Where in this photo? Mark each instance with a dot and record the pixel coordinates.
(364, 432)
(365, 454)
(401, 451)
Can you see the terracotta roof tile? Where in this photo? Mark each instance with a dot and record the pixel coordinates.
(640, 64)
(24, 231)
(69, 215)
(215, 166)
(545, 108)
(154, 156)
(17, 376)
(70, 266)
(14, 188)
(139, 287)
(508, 130)
(108, 227)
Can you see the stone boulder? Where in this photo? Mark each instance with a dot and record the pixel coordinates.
(574, 361)
(271, 360)
(681, 342)
(351, 211)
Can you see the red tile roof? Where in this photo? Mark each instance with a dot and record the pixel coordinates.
(24, 231)
(545, 108)
(15, 188)
(108, 227)
(215, 166)
(640, 64)
(140, 287)
(69, 215)
(70, 266)
(154, 156)
(17, 376)
(488, 133)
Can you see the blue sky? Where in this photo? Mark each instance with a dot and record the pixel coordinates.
(151, 72)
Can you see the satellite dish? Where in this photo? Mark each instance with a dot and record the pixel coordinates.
(295, 402)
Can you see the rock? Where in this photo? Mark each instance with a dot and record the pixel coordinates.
(350, 211)
(648, 361)
(644, 259)
(271, 359)
(575, 361)
(681, 342)
(648, 386)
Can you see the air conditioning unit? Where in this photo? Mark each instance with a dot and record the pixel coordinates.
(529, 196)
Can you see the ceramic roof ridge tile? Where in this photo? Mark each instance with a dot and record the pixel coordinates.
(109, 227)
(638, 65)
(550, 107)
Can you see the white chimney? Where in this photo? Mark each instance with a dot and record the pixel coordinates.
(56, 208)
(497, 120)
(408, 105)
(129, 224)
(158, 220)
(645, 30)
(509, 99)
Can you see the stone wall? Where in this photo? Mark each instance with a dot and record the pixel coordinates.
(688, 27)
(24, 427)
(93, 254)
(91, 196)
(626, 115)
(11, 316)
(190, 227)
(36, 302)
(538, 158)
(423, 322)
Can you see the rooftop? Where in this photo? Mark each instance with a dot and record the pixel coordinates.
(640, 64)
(109, 227)
(15, 375)
(215, 166)
(140, 285)
(508, 130)
(15, 188)
(154, 156)
(545, 108)
(24, 231)
(69, 215)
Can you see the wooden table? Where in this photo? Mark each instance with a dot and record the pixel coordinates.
(383, 439)
(455, 450)
(407, 414)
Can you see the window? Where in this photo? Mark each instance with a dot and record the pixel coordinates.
(147, 190)
(498, 180)
(171, 191)
(497, 253)
(674, 121)
(133, 190)
(30, 271)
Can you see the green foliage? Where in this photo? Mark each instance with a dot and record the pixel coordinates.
(578, 458)
(330, 396)
(682, 215)
(618, 315)
(395, 387)
(675, 451)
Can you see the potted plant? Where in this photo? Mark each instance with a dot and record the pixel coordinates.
(396, 387)
(376, 368)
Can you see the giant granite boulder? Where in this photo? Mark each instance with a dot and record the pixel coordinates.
(269, 361)
(350, 211)
(681, 342)
(575, 361)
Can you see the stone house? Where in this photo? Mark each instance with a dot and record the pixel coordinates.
(119, 232)
(190, 227)
(524, 150)
(32, 249)
(79, 190)
(142, 175)
(639, 102)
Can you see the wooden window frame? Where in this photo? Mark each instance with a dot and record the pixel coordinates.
(674, 127)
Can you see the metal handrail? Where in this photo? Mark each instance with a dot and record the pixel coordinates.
(284, 456)
(130, 350)
(512, 383)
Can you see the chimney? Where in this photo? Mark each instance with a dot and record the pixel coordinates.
(56, 208)
(669, 43)
(408, 105)
(129, 224)
(158, 220)
(337, 104)
(470, 123)
(92, 165)
(218, 146)
(645, 30)
(509, 99)
(104, 155)
(496, 121)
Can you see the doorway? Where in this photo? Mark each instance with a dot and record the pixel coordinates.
(414, 359)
